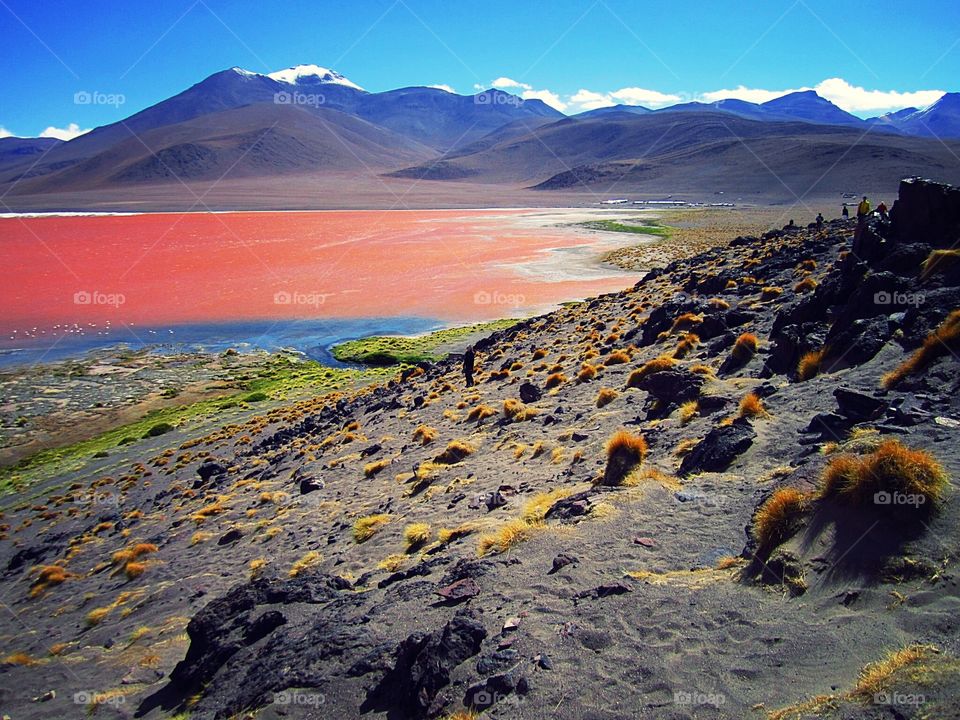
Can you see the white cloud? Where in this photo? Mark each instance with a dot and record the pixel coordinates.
(754, 95)
(852, 98)
(589, 100)
(502, 83)
(68, 133)
(550, 98)
(857, 99)
(5, 133)
(640, 96)
(446, 88)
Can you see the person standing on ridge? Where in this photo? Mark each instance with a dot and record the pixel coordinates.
(845, 212)
(819, 222)
(882, 209)
(863, 209)
(469, 357)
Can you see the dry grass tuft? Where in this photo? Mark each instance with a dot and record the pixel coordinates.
(770, 293)
(505, 537)
(424, 434)
(686, 321)
(942, 341)
(806, 285)
(776, 520)
(811, 364)
(256, 567)
(416, 535)
(658, 364)
(372, 468)
(587, 372)
(448, 535)
(625, 452)
(617, 357)
(48, 576)
(517, 411)
(481, 412)
(308, 561)
(752, 406)
(939, 261)
(555, 380)
(686, 345)
(745, 347)
(366, 527)
(18, 658)
(455, 451)
(606, 396)
(688, 410)
(891, 472)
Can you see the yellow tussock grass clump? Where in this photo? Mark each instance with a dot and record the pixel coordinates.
(776, 520)
(416, 535)
(625, 452)
(606, 396)
(880, 477)
(942, 341)
(939, 261)
(518, 411)
(805, 285)
(424, 434)
(308, 561)
(256, 567)
(555, 380)
(686, 345)
(366, 527)
(617, 357)
(658, 364)
(752, 406)
(448, 535)
(686, 321)
(480, 413)
(745, 347)
(587, 372)
(455, 451)
(372, 468)
(811, 364)
(770, 293)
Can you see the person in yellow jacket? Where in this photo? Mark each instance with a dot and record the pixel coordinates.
(863, 209)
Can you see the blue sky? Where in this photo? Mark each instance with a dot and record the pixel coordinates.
(574, 55)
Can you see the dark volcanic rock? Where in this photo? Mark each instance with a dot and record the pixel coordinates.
(858, 406)
(571, 507)
(422, 666)
(211, 468)
(672, 385)
(719, 448)
(927, 211)
(459, 590)
(241, 651)
(529, 392)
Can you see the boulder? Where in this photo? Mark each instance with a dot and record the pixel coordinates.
(422, 666)
(719, 448)
(857, 405)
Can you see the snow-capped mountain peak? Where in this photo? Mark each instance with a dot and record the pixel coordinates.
(312, 73)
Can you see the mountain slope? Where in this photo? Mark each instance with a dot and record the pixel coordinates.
(809, 106)
(942, 119)
(16, 151)
(442, 119)
(251, 141)
(695, 152)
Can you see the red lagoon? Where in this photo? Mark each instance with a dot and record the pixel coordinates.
(170, 268)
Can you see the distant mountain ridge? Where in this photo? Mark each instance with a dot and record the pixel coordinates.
(309, 119)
